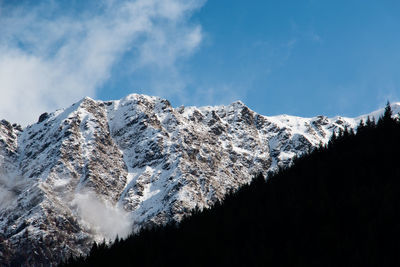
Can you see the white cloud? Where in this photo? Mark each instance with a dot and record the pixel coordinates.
(9, 188)
(105, 219)
(47, 62)
(6, 197)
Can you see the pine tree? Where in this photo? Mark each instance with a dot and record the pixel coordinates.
(346, 132)
(388, 112)
(386, 118)
(332, 140)
(370, 123)
(340, 134)
(360, 126)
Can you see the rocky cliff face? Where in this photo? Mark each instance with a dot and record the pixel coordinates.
(97, 169)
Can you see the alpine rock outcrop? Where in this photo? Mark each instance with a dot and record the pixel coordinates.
(102, 168)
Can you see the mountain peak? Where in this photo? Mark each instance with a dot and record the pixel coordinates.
(98, 168)
(141, 97)
(237, 103)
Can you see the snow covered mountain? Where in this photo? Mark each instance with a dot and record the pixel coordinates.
(100, 169)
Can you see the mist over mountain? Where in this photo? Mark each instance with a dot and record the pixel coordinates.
(98, 169)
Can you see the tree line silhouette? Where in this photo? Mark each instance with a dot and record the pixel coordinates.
(335, 206)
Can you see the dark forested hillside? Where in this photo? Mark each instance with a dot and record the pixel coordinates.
(337, 206)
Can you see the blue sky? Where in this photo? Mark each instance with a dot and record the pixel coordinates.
(296, 57)
(302, 57)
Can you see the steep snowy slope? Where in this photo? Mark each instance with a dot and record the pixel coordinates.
(97, 169)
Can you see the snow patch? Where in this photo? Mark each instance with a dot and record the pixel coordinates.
(286, 155)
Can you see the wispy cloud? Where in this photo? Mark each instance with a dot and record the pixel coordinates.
(10, 186)
(106, 220)
(49, 59)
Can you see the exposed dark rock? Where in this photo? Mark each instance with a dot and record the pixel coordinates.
(43, 117)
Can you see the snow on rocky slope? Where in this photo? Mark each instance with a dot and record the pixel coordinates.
(97, 169)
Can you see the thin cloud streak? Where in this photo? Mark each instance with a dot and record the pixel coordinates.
(47, 63)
